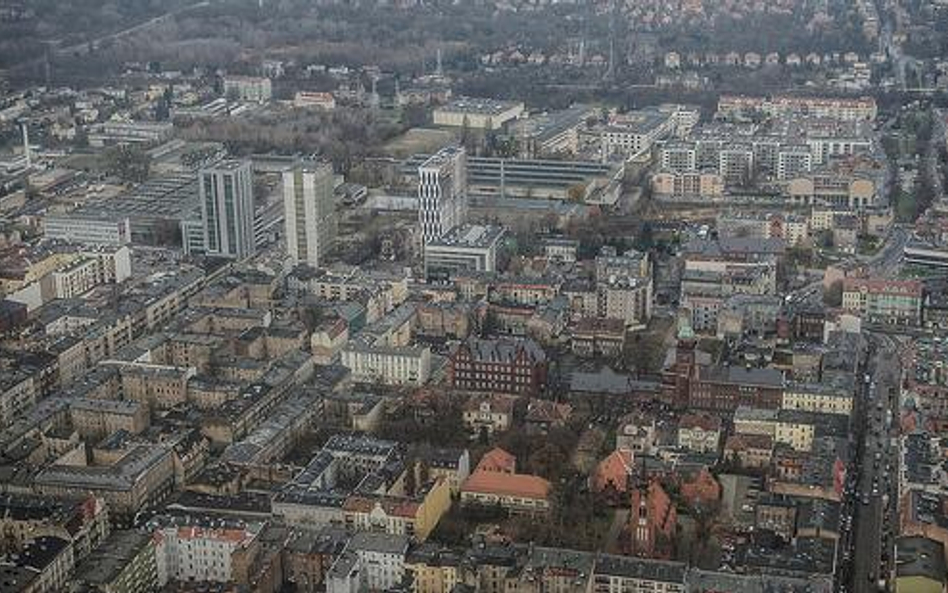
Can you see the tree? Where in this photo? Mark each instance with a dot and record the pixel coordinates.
(833, 295)
(130, 163)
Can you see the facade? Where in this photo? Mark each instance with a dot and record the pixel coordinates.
(415, 516)
(622, 574)
(199, 549)
(309, 212)
(408, 365)
(252, 89)
(498, 366)
(477, 114)
(700, 433)
(726, 388)
(884, 301)
(227, 209)
(818, 397)
(490, 414)
(688, 185)
(653, 521)
(89, 230)
(124, 563)
(861, 108)
(517, 493)
(144, 476)
(593, 336)
(442, 193)
(464, 248)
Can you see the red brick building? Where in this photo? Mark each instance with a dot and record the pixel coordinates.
(515, 366)
(653, 521)
(691, 383)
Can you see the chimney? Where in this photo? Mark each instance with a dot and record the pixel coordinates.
(26, 144)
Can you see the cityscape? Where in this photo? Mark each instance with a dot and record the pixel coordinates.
(485, 296)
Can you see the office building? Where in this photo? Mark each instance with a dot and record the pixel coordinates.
(442, 192)
(466, 248)
(226, 190)
(309, 213)
(477, 114)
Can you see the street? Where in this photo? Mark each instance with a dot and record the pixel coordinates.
(867, 539)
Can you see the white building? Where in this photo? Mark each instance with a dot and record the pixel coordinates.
(477, 114)
(199, 550)
(87, 229)
(227, 209)
(408, 365)
(309, 212)
(442, 192)
(252, 89)
(465, 248)
(370, 562)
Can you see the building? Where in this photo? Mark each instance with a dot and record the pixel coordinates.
(920, 254)
(120, 132)
(81, 520)
(464, 248)
(95, 419)
(43, 566)
(442, 193)
(477, 114)
(612, 473)
(489, 414)
(826, 398)
(251, 89)
(87, 229)
(124, 563)
(370, 562)
(653, 521)
(414, 516)
(313, 99)
(516, 493)
(897, 302)
(726, 388)
(919, 565)
(199, 548)
(309, 212)
(593, 336)
(700, 433)
(227, 209)
(389, 365)
(501, 366)
(623, 574)
(861, 108)
(636, 132)
(143, 476)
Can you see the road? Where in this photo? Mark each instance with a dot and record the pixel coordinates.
(83, 48)
(867, 546)
(88, 45)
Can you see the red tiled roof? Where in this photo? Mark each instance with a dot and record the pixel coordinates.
(522, 485)
(705, 422)
(498, 461)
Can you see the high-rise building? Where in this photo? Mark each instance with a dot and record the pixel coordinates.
(442, 192)
(227, 208)
(309, 212)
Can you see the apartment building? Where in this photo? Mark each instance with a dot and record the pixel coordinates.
(251, 89)
(897, 302)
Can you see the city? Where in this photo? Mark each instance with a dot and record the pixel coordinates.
(505, 296)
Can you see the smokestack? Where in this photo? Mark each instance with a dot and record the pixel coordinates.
(26, 144)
